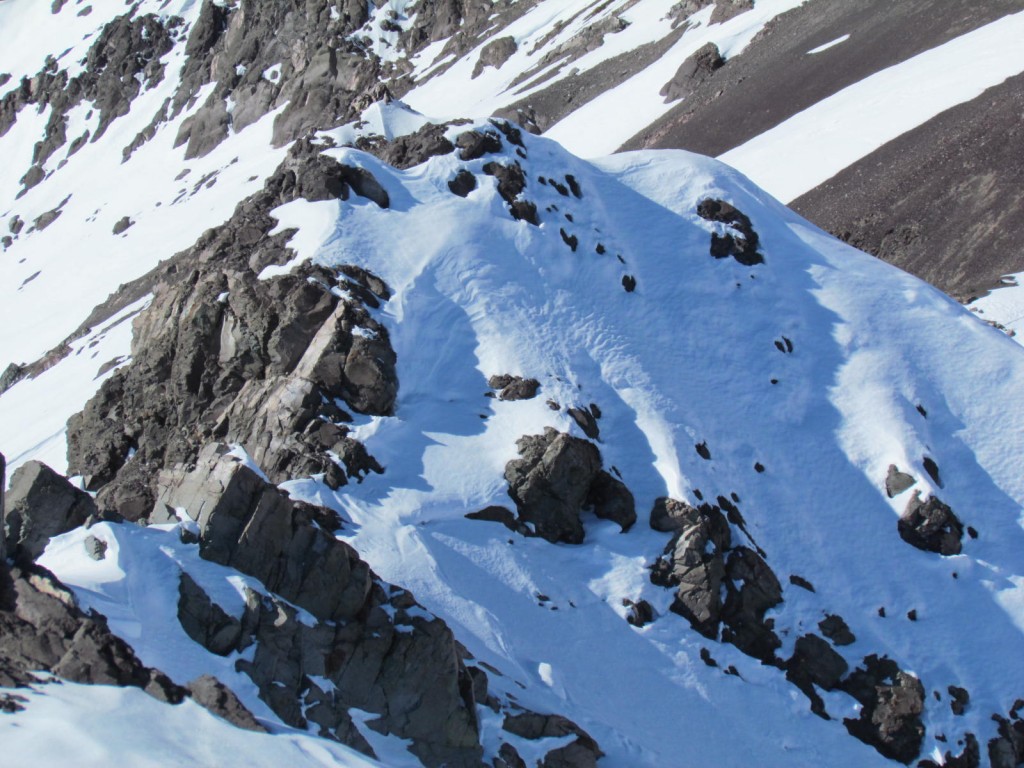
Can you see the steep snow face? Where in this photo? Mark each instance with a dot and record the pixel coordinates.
(872, 368)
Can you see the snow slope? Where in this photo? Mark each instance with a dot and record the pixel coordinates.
(687, 358)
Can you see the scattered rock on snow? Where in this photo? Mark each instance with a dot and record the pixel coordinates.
(931, 526)
(897, 482)
(513, 387)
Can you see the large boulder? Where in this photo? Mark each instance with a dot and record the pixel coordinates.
(42, 504)
(581, 752)
(550, 481)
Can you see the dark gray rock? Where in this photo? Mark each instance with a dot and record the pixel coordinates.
(745, 605)
(741, 243)
(95, 548)
(248, 524)
(122, 225)
(582, 752)
(511, 183)
(959, 699)
(205, 621)
(211, 693)
(463, 183)
(641, 613)
(815, 663)
(611, 500)
(669, 515)
(550, 481)
(694, 565)
(476, 144)
(892, 702)
(514, 387)
(697, 68)
(835, 629)
(931, 526)
(408, 151)
(897, 482)
(42, 504)
(494, 54)
(585, 420)
(43, 629)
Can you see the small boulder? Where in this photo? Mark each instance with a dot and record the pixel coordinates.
(897, 482)
(698, 67)
(463, 183)
(835, 629)
(476, 144)
(122, 225)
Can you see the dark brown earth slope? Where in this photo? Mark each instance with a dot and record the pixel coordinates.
(775, 78)
(944, 201)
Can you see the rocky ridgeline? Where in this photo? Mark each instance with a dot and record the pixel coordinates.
(276, 365)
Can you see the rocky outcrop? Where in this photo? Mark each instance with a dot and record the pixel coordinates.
(892, 702)
(41, 504)
(554, 480)
(266, 363)
(124, 60)
(581, 752)
(250, 525)
(3, 512)
(741, 242)
(931, 525)
(718, 587)
(363, 643)
(43, 629)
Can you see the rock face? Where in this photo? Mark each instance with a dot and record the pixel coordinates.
(379, 650)
(42, 504)
(264, 363)
(815, 663)
(552, 482)
(931, 526)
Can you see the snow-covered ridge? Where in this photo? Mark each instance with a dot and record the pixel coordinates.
(801, 391)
